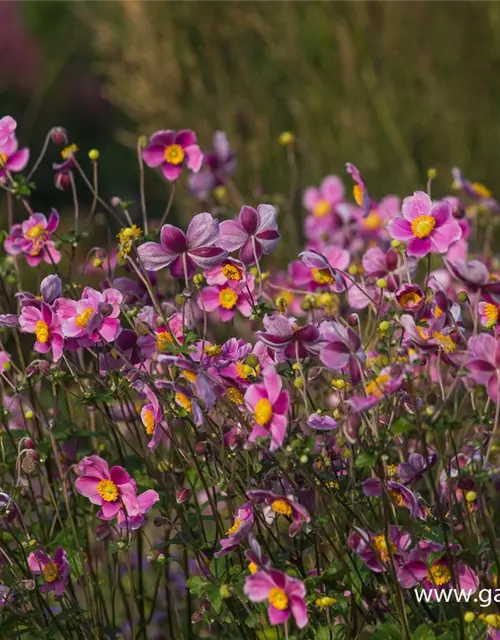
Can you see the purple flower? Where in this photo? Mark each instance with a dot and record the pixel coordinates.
(399, 495)
(217, 164)
(474, 274)
(50, 288)
(324, 267)
(484, 363)
(32, 239)
(321, 422)
(183, 252)
(243, 523)
(55, 571)
(46, 326)
(255, 233)
(321, 202)
(410, 297)
(426, 228)
(254, 555)
(283, 505)
(12, 159)
(226, 300)
(285, 337)
(286, 596)
(342, 349)
(170, 150)
(375, 549)
(415, 467)
(152, 417)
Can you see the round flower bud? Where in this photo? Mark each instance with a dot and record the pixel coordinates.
(94, 155)
(58, 135)
(395, 244)
(29, 443)
(299, 382)
(384, 326)
(470, 496)
(431, 173)
(462, 296)
(29, 414)
(286, 138)
(352, 319)
(198, 278)
(469, 617)
(182, 495)
(353, 269)
(220, 193)
(252, 360)
(281, 304)
(382, 283)
(225, 591)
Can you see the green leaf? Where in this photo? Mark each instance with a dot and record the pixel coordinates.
(423, 633)
(387, 631)
(365, 460)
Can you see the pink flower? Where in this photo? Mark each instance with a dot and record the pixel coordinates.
(269, 404)
(113, 490)
(91, 318)
(46, 327)
(5, 361)
(484, 363)
(302, 273)
(151, 417)
(171, 150)
(286, 596)
(12, 159)
(55, 571)
(243, 523)
(226, 300)
(32, 239)
(321, 202)
(229, 271)
(7, 127)
(285, 506)
(426, 228)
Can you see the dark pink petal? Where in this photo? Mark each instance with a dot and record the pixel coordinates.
(444, 236)
(278, 431)
(109, 510)
(154, 155)
(277, 616)
(185, 137)
(210, 298)
(194, 157)
(282, 403)
(249, 219)
(442, 213)
(171, 172)
(492, 387)
(87, 486)
(147, 499)
(154, 257)
(272, 382)
(412, 573)
(257, 586)
(335, 356)
(419, 247)
(173, 239)
(177, 267)
(400, 229)
(205, 257)
(119, 475)
(247, 254)
(299, 611)
(18, 160)
(164, 137)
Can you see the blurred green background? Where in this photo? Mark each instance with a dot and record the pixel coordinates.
(395, 87)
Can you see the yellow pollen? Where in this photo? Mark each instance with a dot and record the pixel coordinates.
(324, 602)
(392, 470)
(372, 222)
(235, 528)
(174, 154)
(243, 370)
(108, 490)
(3, 159)
(282, 507)
(357, 192)
(422, 334)
(35, 231)
(50, 572)
(376, 386)
(438, 574)
(422, 226)
(483, 191)
(235, 395)
(322, 276)
(445, 342)
(68, 151)
(42, 331)
(190, 375)
(253, 568)
(212, 350)
(278, 598)
(183, 401)
(82, 319)
(438, 312)
(397, 498)
(410, 299)
(230, 272)
(379, 544)
(6, 366)
(263, 412)
(491, 313)
(163, 339)
(287, 295)
(149, 422)
(321, 209)
(228, 298)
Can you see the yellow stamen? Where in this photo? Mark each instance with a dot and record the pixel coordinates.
(322, 276)
(82, 319)
(148, 420)
(163, 339)
(183, 401)
(230, 272)
(282, 507)
(491, 313)
(324, 602)
(445, 342)
(3, 159)
(35, 231)
(379, 544)
(68, 151)
(263, 412)
(244, 371)
(235, 395)
(190, 375)
(357, 192)
(422, 226)
(321, 209)
(278, 598)
(410, 299)
(481, 190)
(42, 331)
(235, 528)
(108, 490)
(253, 568)
(372, 222)
(228, 298)
(50, 573)
(438, 574)
(174, 154)
(376, 386)
(212, 350)
(397, 498)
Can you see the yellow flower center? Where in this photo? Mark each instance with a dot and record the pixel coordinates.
(392, 470)
(324, 602)
(129, 233)
(397, 498)
(376, 386)
(373, 221)
(321, 209)
(235, 395)
(379, 544)
(278, 598)
(163, 339)
(190, 375)
(235, 528)
(108, 490)
(3, 159)
(183, 401)
(422, 226)
(437, 312)
(491, 313)
(322, 276)
(212, 350)
(445, 342)
(228, 298)
(6, 366)
(282, 507)
(230, 272)
(42, 331)
(149, 422)
(253, 568)
(481, 190)
(82, 319)
(174, 154)
(263, 412)
(50, 572)
(410, 299)
(357, 192)
(35, 231)
(244, 371)
(68, 151)
(438, 574)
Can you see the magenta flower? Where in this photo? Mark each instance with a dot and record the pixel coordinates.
(113, 490)
(46, 326)
(375, 549)
(254, 233)
(229, 271)
(474, 274)
(226, 300)
(283, 505)
(5, 361)
(55, 571)
(321, 202)
(287, 338)
(286, 596)
(184, 252)
(484, 363)
(12, 159)
(342, 350)
(399, 495)
(32, 239)
(269, 405)
(488, 310)
(410, 297)
(171, 150)
(91, 318)
(152, 417)
(304, 273)
(7, 127)
(243, 523)
(426, 228)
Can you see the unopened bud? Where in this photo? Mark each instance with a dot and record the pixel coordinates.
(431, 173)
(58, 135)
(94, 155)
(470, 496)
(462, 296)
(183, 495)
(225, 591)
(384, 326)
(286, 138)
(469, 617)
(281, 304)
(352, 319)
(382, 283)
